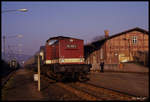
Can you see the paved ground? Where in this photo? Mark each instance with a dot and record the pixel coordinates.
(135, 80)
(132, 83)
(131, 67)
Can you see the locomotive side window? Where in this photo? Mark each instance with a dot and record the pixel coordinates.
(71, 46)
(52, 42)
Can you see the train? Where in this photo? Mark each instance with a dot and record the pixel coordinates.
(13, 63)
(62, 58)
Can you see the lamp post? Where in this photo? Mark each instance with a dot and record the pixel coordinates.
(39, 72)
(4, 37)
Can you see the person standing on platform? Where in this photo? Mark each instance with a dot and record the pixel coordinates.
(102, 67)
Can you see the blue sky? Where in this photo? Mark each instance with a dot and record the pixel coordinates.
(83, 20)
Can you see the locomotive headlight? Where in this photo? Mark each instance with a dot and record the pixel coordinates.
(42, 54)
(81, 59)
(61, 60)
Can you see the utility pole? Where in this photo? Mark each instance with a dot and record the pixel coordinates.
(4, 46)
(4, 39)
(38, 72)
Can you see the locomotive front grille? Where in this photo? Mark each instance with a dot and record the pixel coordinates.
(71, 60)
(65, 60)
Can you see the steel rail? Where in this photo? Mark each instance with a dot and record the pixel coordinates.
(79, 93)
(6, 79)
(123, 95)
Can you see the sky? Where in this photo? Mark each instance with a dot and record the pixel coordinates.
(82, 20)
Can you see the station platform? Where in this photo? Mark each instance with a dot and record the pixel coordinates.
(136, 84)
(21, 86)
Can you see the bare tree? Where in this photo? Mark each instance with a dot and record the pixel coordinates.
(99, 37)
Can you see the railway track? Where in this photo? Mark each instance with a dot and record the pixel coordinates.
(78, 93)
(91, 92)
(103, 93)
(6, 79)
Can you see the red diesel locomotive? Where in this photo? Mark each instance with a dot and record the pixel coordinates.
(63, 57)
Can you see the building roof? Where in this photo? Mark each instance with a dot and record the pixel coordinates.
(130, 30)
(97, 44)
(118, 34)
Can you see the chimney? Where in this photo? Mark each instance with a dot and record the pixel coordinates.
(106, 33)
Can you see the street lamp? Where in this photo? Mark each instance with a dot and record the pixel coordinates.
(4, 37)
(19, 36)
(14, 36)
(21, 10)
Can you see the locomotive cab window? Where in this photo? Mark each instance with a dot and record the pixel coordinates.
(52, 42)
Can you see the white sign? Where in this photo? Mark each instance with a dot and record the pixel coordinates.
(35, 77)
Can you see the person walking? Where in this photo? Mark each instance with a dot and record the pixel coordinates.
(102, 67)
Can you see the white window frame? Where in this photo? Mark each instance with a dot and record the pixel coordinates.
(134, 39)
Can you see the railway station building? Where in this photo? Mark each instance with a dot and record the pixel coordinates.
(127, 46)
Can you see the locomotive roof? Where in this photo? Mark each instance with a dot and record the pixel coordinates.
(60, 37)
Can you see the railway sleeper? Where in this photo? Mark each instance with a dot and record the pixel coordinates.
(72, 76)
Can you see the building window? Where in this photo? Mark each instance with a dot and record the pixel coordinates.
(134, 39)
